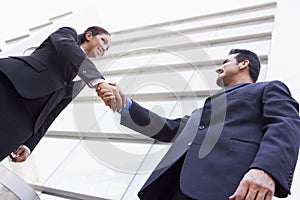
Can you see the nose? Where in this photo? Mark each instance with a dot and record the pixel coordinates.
(105, 48)
(104, 45)
(219, 70)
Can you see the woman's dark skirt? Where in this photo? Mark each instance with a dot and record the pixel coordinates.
(17, 117)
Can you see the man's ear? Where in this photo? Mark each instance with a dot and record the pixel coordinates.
(244, 64)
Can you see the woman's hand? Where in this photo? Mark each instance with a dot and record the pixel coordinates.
(20, 155)
(111, 95)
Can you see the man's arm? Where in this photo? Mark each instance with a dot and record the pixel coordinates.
(144, 121)
(278, 152)
(272, 169)
(150, 124)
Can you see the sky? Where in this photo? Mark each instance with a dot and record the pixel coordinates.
(18, 16)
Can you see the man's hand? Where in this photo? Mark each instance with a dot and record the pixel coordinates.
(111, 96)
(256, 185)
(20, 155)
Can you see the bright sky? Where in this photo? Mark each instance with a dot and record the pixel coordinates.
(18, 16)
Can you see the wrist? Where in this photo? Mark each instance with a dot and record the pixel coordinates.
(96, 82)
(125, 110)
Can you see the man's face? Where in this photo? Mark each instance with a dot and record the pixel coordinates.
(228, 72)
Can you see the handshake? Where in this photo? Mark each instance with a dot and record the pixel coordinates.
(111, 95)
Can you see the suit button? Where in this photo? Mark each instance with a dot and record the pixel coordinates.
(190, 143)
(201, 127)
(65, 83)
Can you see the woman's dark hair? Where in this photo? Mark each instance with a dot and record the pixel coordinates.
(95, 30)
(254, 62)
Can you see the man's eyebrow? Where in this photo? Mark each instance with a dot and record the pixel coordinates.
(225, 61)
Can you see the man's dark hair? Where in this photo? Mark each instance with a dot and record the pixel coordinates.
(254, 62)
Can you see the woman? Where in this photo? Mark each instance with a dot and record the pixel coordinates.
(36, 88)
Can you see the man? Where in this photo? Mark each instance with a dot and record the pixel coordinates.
(243, 143)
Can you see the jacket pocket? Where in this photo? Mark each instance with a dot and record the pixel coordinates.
(35, 64)
(244, 146)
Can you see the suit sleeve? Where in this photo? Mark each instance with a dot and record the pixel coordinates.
(35, 139)
(152, 125)
(278, 151)
(71, 92)
(65, 42)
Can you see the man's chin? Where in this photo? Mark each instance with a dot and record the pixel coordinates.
(220, 82)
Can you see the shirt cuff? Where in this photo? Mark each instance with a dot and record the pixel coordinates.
(95, 82)
(125, 110)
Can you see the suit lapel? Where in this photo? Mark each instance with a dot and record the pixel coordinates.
(181, 144)
(228, 89)
(179, 147)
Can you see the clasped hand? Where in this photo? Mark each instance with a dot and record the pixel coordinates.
(111, 96)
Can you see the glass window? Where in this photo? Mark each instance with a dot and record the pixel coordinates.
(99, 168)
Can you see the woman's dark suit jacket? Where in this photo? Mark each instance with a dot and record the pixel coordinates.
(49, 70)
(251, 126)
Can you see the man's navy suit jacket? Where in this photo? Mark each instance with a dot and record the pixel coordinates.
(248, 125)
